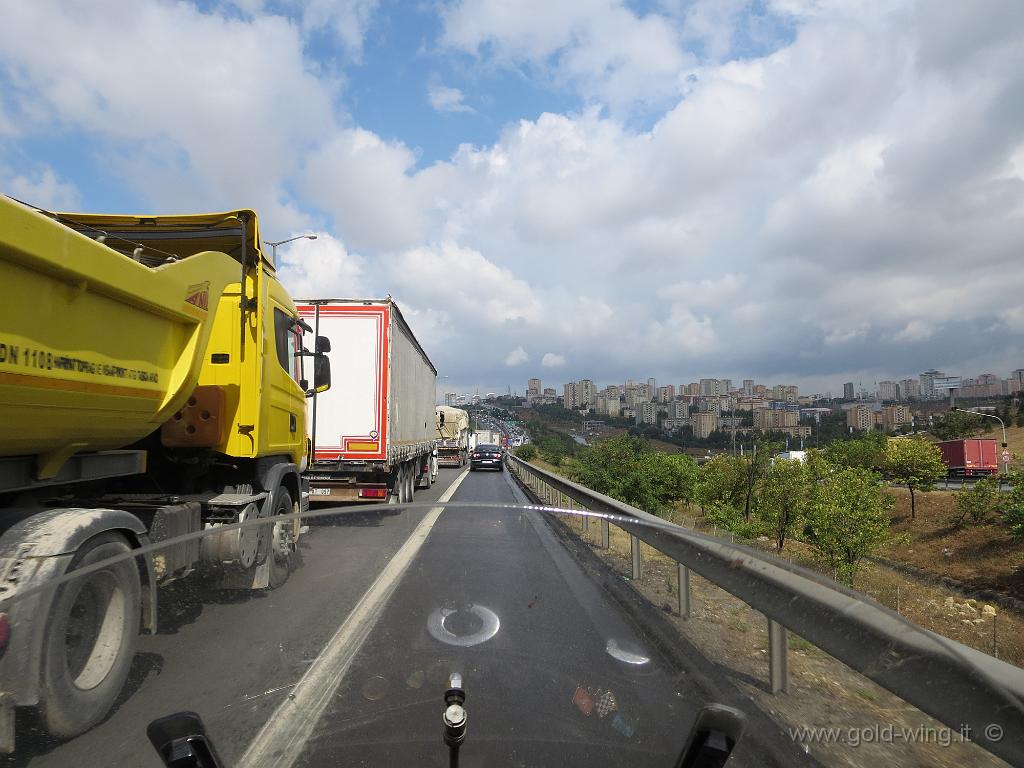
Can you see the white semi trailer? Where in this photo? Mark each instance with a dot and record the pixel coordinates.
(374, 433)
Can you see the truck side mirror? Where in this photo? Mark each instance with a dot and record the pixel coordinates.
(323, 345)
(321, 374)
(442, 418)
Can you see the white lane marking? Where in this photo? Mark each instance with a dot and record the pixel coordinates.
(282, 738)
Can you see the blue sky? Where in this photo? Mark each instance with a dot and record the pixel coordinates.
(800, 191)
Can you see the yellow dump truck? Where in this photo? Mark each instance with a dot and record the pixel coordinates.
(152, 384)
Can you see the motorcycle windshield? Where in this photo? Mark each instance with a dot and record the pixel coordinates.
(331, 638)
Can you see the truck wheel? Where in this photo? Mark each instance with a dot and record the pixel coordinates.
(426, 480)
(281, 541)
(90, 639)
(405, 483)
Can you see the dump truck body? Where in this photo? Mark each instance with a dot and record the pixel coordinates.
(151, 380)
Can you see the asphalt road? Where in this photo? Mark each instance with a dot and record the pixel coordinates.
(317, 673)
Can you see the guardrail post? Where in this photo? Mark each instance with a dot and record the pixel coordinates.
(778, 661)
(586, 521)
(684, 591)
(606, 539)
(634, 546)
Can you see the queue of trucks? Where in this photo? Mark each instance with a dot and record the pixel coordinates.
(155, 380)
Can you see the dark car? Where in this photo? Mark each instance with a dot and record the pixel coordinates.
(486, 456)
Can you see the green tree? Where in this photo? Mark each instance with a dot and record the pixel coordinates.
(526, 452)
(782, 504)
(915, 462)
(719, 481)
(755, 465)
(867, 452)
(626, 468)
(979, 502)
(955, 425)
(1013, 506)
(848, 520)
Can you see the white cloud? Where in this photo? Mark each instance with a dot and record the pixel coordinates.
(602, 48)
(40, 187)
(915, 330)
(347, 19)
(322, 269)
(516, 357)
(446, 99)
(551, 360)
(194, 110)
(851, 201)
(464, 281)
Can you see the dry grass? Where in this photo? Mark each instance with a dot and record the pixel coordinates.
(984, 557)
(823, 692)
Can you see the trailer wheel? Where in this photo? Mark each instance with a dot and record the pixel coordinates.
(90, 638)
(405, 483)
(281, 541)
(426, 479)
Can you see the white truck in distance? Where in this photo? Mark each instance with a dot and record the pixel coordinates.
(373, 434)
(487, 437)
(452, 436)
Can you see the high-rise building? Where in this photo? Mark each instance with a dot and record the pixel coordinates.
(450, 398)
(667, 393)
(861, 417)
(910, 389)
(587, 394)
(928, 391)
(724, 386)
(704, 424)
(647, 412)
(570, 395)
(652, 389)
(748, 387)
(678, 410)
(772, 419)
(888, 390)
(613, 406)
(711, 387)
(532, 389)
(894, 416)
(848, 391)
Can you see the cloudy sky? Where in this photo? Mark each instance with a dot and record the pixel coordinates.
(801, 191)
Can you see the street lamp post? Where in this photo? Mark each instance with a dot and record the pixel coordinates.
(273, 246)
(1006, 464)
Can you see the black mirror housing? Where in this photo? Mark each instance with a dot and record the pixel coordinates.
(323, 345)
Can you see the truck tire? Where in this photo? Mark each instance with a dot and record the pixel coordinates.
(90, 637)
(405, 483)
(280, 554)
(426, 480)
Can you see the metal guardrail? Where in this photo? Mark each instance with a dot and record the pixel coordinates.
(958, 685)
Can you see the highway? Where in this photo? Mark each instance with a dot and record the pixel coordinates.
(347, 663)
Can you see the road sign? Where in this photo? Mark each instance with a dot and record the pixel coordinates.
(1006, 456)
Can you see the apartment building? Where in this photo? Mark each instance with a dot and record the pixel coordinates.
(704, 424)
(678, 410)
(571, 395)
(647, 413)
(533, 390)
(587, 394)
(888, 390)
(773, 419)
(861, 417)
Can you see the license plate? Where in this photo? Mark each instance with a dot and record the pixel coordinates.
(320, 491)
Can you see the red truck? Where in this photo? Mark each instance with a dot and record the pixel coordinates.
(969, 458)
